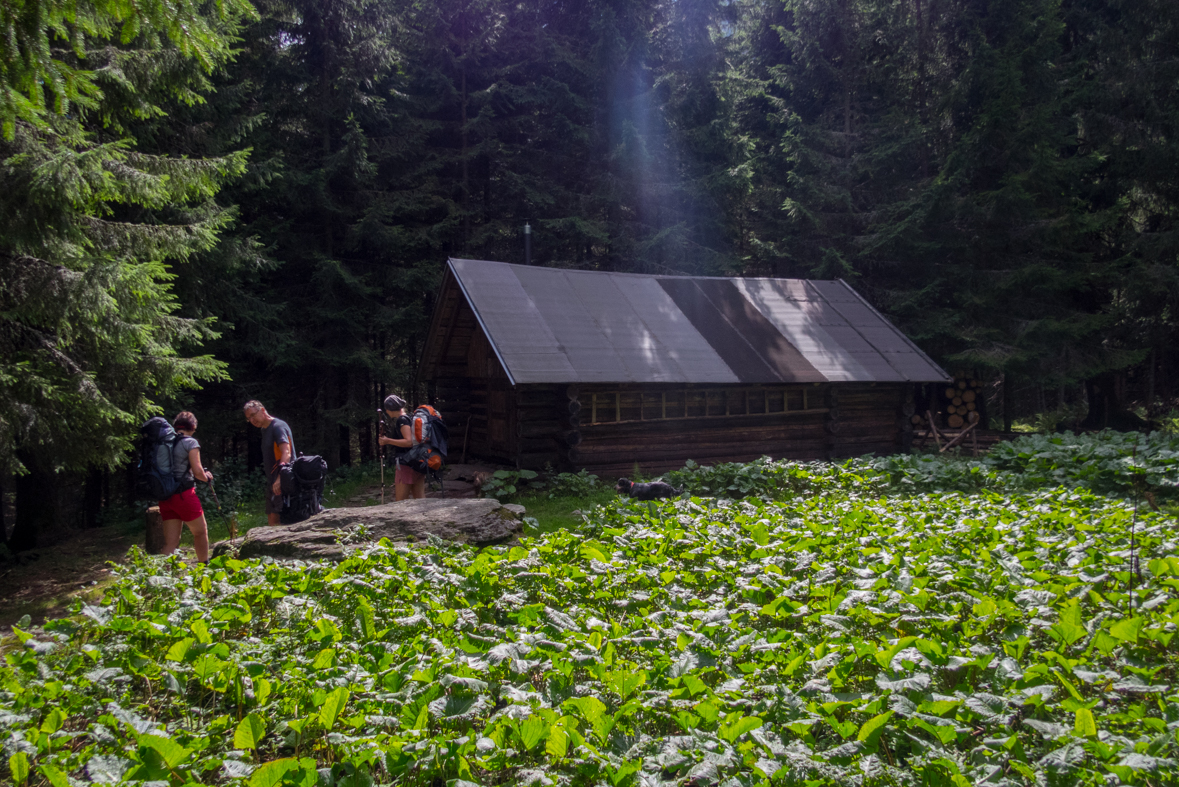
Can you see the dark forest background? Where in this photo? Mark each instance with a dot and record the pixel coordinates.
(214, 202)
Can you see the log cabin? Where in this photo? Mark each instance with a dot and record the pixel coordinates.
(599, 370)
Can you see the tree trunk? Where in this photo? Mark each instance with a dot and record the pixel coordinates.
(1106, 410)
(92, 498)
(36, 505)
(1008, 399)
(345, 437)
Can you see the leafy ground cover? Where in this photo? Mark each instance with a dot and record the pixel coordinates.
(813, 628)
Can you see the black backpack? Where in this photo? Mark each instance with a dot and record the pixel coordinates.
(301, 483)
(154, 479)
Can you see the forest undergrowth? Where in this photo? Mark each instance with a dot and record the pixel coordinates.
(907, 620)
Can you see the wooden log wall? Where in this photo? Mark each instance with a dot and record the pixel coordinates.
(533, 425)
(832, 421)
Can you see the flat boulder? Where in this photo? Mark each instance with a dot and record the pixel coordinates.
(476, 521)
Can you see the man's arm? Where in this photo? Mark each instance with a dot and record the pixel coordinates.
(284, 457)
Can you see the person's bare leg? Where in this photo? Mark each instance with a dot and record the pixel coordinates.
(171, 536)
(272, 519)
(200, 537)
(402, 491)
(419, 488)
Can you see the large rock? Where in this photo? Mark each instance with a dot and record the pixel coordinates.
(478, 521)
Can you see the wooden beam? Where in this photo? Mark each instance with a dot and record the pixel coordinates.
(958, 439)
(933, 429)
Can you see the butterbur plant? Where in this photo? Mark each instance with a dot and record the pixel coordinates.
(847, 632)
(505, 484)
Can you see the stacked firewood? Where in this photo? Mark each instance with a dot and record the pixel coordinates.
(961, 402)
(958, 404)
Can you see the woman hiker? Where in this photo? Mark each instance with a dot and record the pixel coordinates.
(407, 482)
(185, 506)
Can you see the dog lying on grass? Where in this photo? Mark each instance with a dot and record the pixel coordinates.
(653, 490)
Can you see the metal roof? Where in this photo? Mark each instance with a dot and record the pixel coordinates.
(550, 325)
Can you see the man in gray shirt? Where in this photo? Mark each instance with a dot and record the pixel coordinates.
(278, 447)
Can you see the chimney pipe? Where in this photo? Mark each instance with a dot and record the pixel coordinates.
(527, 243)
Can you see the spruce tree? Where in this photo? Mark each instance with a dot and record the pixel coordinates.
(91, 228)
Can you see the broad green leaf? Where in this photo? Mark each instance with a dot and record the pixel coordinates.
(1127, 629)
(250, 732)
(731, 732)
(179, 651)
(54, 775)
(262, 689)
(557, 743)
(1104, 642)
(707, 711)
(591, 552)
(364, 616)
(200, 630)
(594, 712)
(171, 752)
(1085, 724)
(532, 731)
(332, 705)
(884, 657)
(271, 774)
(1066, 632)
(1164, 566)
(18, 767)
(694, 684)
(53, 721)
(872, 728)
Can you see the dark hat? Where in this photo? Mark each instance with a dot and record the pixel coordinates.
(394, 402)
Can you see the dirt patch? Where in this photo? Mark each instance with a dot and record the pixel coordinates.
(42, 583)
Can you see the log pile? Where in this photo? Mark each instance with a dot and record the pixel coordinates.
(958, 404)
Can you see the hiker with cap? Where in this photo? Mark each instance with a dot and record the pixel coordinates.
(278, 448)
(407, 482)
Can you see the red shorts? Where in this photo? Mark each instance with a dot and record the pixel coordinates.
(185, 506)
(407, 476)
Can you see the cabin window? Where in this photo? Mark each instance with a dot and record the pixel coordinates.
(607, 407)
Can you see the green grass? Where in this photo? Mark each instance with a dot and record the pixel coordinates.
(562, 513)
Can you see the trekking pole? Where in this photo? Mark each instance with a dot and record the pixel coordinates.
(230, 521)
(381, 449)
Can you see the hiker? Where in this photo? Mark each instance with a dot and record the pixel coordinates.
(185, 506)
(278, 448)
(406, 482)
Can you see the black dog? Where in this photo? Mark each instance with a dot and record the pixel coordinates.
(652, 491)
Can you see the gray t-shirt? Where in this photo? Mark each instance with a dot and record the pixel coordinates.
(273, 436)
(181, 471)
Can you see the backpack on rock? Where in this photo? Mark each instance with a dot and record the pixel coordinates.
(301, 483)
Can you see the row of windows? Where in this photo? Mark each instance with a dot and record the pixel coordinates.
(601, 407)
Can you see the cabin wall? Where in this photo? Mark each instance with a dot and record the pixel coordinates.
(661, 427)
(474, 397)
